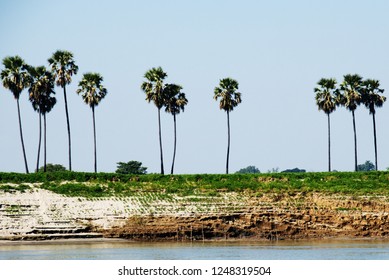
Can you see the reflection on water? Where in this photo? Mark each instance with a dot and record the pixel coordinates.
(127, 250)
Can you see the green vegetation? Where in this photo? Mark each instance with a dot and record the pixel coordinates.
(14, 188)
(122, 185)
(248, 170)
(131, 167)
(367, 166)
(293, 170)
(50, 167)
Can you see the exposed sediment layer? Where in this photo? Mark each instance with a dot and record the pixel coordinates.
(38, 214)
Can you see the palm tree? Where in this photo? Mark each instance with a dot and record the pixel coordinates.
(41, 88)
(15, 78)
(154, 89)
(371, 98)
(174, 104)
(229, 96)
(325, 100)
(92, 93)
(63, 67)
(350, 97)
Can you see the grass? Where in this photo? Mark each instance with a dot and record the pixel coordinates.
(14, 188)
(112, 184)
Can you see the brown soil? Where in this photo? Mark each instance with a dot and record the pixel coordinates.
(314, 217)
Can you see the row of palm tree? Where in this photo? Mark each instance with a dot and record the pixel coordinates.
(174, 100)
(351, 93)
(18, 75)
(165, 95)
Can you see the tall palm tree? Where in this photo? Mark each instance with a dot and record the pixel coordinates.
(229, 96)
(64, 67)
(371, 98)
(15, 78)
(92, 93)
(350, 96)
(325, 100)
(154, 89)
(41, 88)
(174, 104)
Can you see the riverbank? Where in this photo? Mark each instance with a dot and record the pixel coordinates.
(35, 213)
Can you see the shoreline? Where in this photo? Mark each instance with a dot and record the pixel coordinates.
(87, 241)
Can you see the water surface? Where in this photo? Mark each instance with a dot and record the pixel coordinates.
(236, 250)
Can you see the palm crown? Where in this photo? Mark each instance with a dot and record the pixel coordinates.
(41, 87)
(92, 89)
(63, 67)
(14, 75)
(228, 94)
(175, 100)
(325, 95)
(351, 88)
(154, 87)
(371, 95)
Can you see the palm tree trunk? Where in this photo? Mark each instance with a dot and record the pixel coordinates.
(68, 126)
(175, 143)
(329, 143)
(44, 144)
(94, 137)
(160, 140)
(375, 142)
(228, 145)
(39, 142)
(355, 142)
(21, 137)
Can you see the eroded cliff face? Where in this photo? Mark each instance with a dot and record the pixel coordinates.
(41, 214)
(314, 216)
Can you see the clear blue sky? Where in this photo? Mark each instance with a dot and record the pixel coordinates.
(277, 50)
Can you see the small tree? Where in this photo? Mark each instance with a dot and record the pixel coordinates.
(294, 170)
(50, 167)
(249, 169)
(131, 167)
(367, 166)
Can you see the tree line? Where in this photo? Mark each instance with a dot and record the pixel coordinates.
(40, 82)
(17, 75)
(351, 93)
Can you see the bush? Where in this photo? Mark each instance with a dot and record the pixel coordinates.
(52, 168)
(131, 167)
(367, 166)
(249, 169)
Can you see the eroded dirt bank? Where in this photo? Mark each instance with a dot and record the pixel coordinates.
(40, 214)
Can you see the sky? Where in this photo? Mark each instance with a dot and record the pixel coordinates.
(276, 50)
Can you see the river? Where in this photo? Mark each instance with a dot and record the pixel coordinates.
(216, 250)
